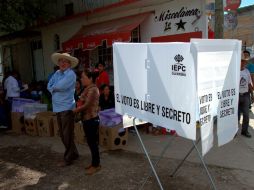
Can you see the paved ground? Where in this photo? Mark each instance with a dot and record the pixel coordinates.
(30, 163)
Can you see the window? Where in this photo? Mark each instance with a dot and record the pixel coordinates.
(105, 53)
(36, 44)
(56, 42)
(105, 56)
(69, 9)
(135, 35)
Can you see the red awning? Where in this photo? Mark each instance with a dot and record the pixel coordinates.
(178, 37)
(91, 36)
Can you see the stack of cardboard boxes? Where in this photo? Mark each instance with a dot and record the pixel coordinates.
(34, 120)
(18, 126)
(112, 136)
(79, 134)
(45, 124)
(31, 118)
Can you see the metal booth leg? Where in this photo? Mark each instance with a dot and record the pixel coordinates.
(157, 161)
(204, 164)
(202, 160)
(147, 155)
(181, 163)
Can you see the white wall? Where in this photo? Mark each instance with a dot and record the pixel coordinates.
(22, 60)
(152, 27)
(66, 29)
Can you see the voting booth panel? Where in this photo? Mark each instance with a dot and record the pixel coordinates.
(156, 84)
(218, 93)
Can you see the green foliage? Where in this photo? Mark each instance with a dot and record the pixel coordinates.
(16, 15)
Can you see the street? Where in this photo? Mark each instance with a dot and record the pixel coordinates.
(30, 163)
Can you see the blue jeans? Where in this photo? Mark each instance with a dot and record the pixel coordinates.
(243, 107)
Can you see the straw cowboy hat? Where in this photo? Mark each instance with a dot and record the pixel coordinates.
(56, 56)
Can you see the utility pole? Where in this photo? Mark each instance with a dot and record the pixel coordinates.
(219, 19)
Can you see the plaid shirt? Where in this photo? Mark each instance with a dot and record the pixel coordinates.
(90, 97)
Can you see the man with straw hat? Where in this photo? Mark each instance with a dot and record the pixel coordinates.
(62, 87)
(245, 89)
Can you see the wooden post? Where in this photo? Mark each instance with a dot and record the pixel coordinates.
(219, 19)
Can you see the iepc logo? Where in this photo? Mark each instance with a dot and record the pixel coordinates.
(178, 68)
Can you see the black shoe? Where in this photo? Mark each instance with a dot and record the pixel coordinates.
(246, 134)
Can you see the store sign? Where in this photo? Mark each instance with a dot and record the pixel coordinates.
(165, 83)
(180, 16)
(232, 5)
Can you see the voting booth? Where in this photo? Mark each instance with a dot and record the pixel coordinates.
(174, 85)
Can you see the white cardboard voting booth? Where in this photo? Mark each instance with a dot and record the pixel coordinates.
(173, 85)
(163, 83)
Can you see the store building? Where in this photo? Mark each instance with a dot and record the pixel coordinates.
(89, 34)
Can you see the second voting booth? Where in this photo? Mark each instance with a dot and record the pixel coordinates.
(174, 85)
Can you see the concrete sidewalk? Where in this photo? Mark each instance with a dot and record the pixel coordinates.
(237, 155)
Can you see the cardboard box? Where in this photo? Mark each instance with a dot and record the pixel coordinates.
(55, 126)
(113, 138)
(45, 124)
(79, 134)
(31, 126)
(17, 121)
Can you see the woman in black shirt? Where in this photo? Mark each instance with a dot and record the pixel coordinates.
(107, 99)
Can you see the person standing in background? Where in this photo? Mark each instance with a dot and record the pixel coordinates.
(56, 67)
(11, 86)
(103, 77)
(12, 90)
(62, 87)
(245, 89)
(250, 67)
(78, 90)
(107, 99)
(89, 109)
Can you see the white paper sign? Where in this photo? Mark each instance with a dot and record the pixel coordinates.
(206, 117)
(156, 83)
